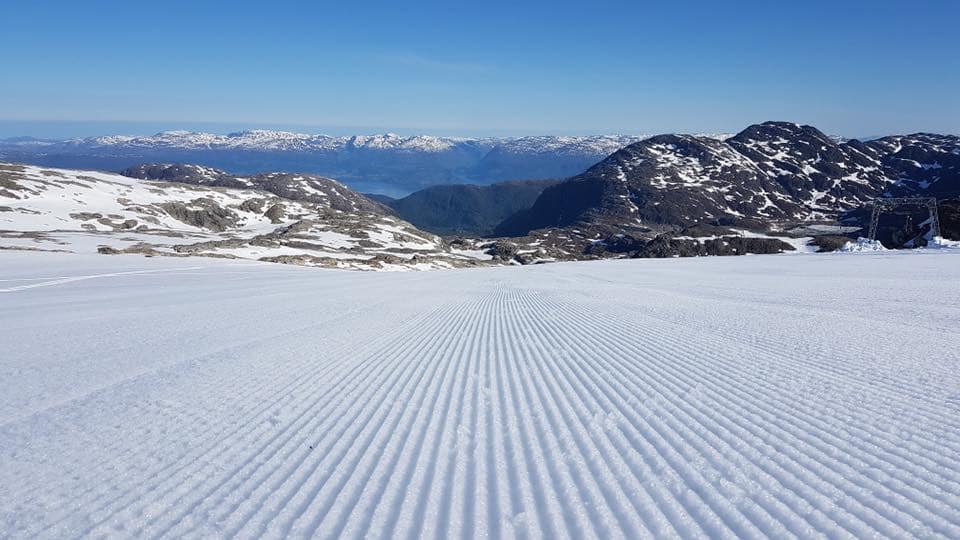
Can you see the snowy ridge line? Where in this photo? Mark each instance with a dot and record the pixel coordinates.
(265, 398)
(782, 418)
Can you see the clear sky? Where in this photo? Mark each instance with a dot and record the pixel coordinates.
(483, 67)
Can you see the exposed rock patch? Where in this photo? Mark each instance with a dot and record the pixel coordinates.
(664, 246)
(209, 215)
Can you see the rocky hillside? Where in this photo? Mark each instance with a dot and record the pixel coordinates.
(768, 175)
(464, 209)
(276, 218)
(295, 187)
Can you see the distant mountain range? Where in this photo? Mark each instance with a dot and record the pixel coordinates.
(766, 189)
(388, 164)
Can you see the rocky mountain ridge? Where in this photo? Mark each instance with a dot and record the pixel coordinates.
(768, 175)
(295, 187)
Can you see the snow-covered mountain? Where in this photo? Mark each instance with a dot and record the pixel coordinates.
(299, 220)
(265, 140)
(386, 163)
(296, 187)
(771, 177)
(769, 173)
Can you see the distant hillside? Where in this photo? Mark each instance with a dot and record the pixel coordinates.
(466, 209)
(184, 210)
(296, 187)
(380, 198)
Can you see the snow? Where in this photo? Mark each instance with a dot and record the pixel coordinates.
(709, 397)
(862, 244)
(50, 199)
(939, 242)
(271, 140)
(80, 211)
(599, 145)
(478, 254)
(268, 140)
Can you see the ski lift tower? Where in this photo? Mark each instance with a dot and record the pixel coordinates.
(886, 205)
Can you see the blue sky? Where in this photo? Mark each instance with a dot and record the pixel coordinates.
(471, 68)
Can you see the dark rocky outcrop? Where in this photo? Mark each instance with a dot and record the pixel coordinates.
(617, 243)
(949, 213)
(205, 214)
(664, 246)
(829, 242)
(502, 250)
(275, 213)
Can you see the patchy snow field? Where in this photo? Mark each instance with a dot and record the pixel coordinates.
(724, 397)
(63, 210)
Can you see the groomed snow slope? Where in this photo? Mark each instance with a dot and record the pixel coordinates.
(722, 397)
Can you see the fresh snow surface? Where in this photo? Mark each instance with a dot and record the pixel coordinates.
(939, 242)
(712, 397)
(862, 244)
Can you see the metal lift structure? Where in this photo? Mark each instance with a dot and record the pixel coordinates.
(887, 205)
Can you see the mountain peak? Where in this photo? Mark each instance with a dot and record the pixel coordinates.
(774, 172)
(775, 130)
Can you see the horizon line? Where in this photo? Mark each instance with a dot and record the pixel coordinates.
(336, 131)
